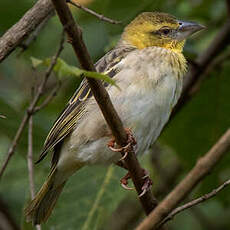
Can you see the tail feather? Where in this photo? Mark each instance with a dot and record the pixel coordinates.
(40, 208)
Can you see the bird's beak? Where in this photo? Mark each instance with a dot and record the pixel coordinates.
(188, 28)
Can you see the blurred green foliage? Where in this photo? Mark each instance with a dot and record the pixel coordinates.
(191, 134)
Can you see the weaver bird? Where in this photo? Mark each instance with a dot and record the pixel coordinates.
(148, 65)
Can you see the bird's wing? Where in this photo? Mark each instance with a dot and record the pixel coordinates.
(75, 108)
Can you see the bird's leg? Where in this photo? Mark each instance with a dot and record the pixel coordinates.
(126, 149)
(124, 180)
(147, 183)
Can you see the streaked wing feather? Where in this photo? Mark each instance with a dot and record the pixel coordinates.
(75, 108)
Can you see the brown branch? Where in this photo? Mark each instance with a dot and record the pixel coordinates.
(100, 16)
(168, 177)
(30, 111)
(26, 25)
(114, 122)
(195, 202)
(14, 143)
(202, 168)
(33, 36)
(30, 158)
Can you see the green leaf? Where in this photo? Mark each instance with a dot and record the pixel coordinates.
(36, 62)
(63, 69)
(100, 76)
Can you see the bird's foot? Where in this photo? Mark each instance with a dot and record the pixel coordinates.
(125, 149)
(147, 183)
(124, 181)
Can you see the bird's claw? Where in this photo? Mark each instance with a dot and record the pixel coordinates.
(124, 156)
(125, 149)
(124, 182)
(126, 187)
(146, 186)
(147, 183)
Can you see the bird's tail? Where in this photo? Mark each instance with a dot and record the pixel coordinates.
(40, 208)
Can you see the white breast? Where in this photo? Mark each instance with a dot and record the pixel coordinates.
(149, 90)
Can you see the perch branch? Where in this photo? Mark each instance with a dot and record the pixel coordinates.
(202, 168)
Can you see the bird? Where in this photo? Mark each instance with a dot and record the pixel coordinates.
(148, 65)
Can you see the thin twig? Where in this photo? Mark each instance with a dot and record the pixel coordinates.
(113, 120)
(30, 161)
(31, 107)
(195, 202)
(14, 143)
(100, 16)
(202, 168)
(30, 157)
(168, 181)
(49, 98)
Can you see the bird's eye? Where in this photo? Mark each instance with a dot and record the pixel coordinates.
(165, 31)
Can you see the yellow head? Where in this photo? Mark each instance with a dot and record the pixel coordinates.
(159, 29)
